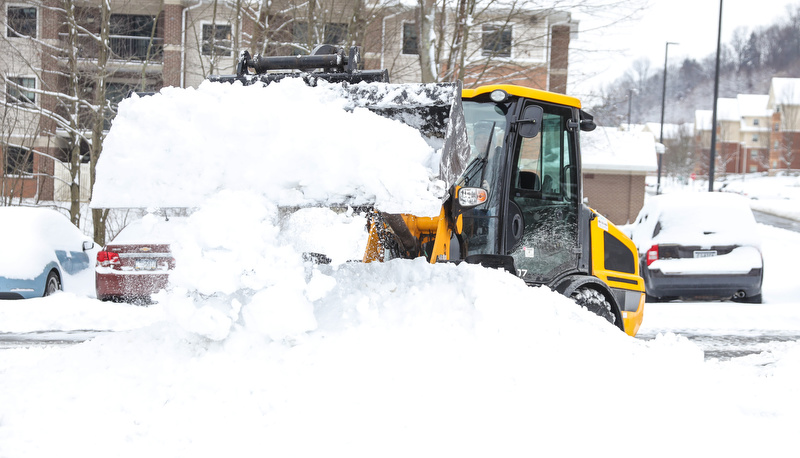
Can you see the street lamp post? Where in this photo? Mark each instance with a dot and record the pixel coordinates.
(712, 152)
(663, 100)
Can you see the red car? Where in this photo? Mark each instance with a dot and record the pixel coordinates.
(137, 263)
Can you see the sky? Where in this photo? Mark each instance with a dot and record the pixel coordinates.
(606, 53)
(253, 351)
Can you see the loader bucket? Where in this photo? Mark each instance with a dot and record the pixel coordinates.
(433, 109)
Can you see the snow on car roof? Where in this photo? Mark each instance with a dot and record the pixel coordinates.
(151, 229)
(696, 219)
(29, 237)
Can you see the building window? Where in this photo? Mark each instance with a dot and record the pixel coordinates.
(497, 40)
(18, 161)
(130, 36)
(17, 90)
(775, 145)
(300, 37)
(335, 33)
(218, 38)
(410, 43)
(775, 127)
(755, 138)
(754, 154)
(755, 122)
(21, 21)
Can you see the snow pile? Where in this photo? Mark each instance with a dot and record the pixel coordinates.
(256, 351)
(392, 369)
(775, 195)
(152, 229)
(293, 143)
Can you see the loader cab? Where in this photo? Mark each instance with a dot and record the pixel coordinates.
(530, 169)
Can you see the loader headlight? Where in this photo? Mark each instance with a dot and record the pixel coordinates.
(498, 95)
(470, 197)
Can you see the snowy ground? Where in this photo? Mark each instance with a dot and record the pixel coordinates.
(402, 358)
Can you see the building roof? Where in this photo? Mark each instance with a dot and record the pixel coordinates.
(727, 109)
(784, 91)
(671, 131)
(755, 105)
(703, 119)
(611, 149)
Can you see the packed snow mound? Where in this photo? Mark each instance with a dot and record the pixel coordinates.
(294, 144)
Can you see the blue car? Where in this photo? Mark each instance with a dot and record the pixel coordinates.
(41, 252)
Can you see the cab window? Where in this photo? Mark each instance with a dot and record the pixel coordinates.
(545, 189)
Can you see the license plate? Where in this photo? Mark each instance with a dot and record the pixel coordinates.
(705, 254)
(145, 264)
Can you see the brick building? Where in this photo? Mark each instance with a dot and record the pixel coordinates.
(156, 43)
(784, 102)
(755, 132)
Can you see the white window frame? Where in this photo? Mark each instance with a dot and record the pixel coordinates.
(5, 162)
(33, 90)
(403, 39)
(505, 27)
(211, 54)
(38, 21)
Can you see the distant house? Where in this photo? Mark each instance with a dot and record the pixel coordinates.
(615, 164)
(753, 134)
(784, 145)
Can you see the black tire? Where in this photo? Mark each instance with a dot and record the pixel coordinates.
(649, 298)
(593, 301)
(52, 284)
(755, 299)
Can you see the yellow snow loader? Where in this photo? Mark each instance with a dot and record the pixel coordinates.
(512, 164)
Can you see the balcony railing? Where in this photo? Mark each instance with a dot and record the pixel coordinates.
(128, 48)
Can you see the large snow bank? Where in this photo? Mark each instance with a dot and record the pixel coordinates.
(256, 352)
(295, 144)
(392, 369)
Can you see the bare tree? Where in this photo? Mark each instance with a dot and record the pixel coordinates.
(677, 160)
(72, 66)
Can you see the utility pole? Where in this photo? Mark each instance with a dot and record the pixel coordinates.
(663, 101)
(712, 152)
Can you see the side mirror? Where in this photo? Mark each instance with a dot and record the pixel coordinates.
(587, 122)
(530, 123)
(529, 181)
(87, 245)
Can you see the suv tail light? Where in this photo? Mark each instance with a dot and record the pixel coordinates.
(108, 259)
(652, 254)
